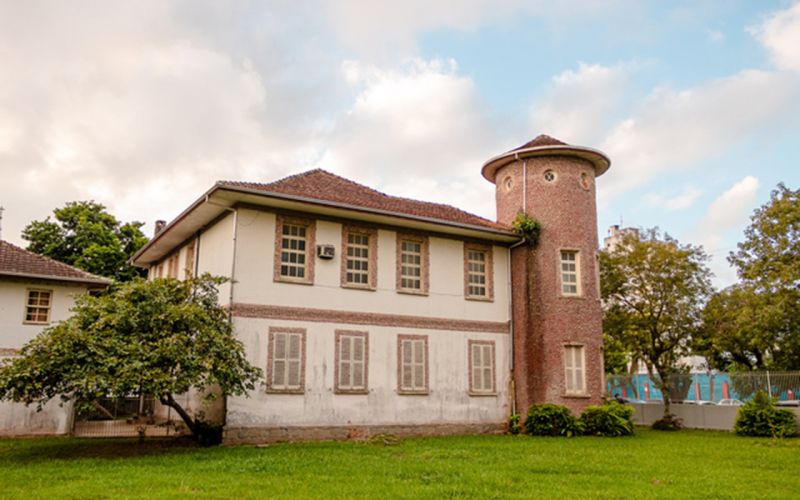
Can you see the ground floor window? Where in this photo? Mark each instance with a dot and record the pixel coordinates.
(481, 367)
(286, 360)
(412, 364)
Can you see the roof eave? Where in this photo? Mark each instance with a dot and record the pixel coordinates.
(49, 277)
(599, 160)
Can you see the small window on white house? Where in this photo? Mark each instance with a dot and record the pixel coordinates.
(482, 371)
(351, 362)
(412, 264)
(476, 274)
(357, 272)
(293, 251)
(286, 360)
(574, 370)
(413, 364)
(37, 306)
(570, 272)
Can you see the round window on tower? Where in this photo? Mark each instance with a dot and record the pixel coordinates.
(585, 181)
(508, 183)
(549, 176)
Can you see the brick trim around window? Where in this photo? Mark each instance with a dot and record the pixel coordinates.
(372, 262)
(337, 388)
(32, 312)
(421, 391)
(424, 263)
(310, 250)
(489, 272)
(577, 272)
(271, 388)
(473, 391)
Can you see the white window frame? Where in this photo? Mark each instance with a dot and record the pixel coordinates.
(470, 272)
(282, 364)
(576, 273)
(347, 361)
(418, 346)
(574, 373)
(367, 260)
(307, 253)
(37, 307)
(403, 267)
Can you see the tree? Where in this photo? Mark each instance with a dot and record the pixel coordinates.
(159, 337)
(755, 324)
(86, 236)
(653, 292)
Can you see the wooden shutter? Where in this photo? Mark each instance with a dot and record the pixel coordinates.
(419, 365)
(407, 365)
(294, 361)
(358, 362)
(287, 360)
(279, 360)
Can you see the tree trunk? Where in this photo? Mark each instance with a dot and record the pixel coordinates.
(168, 400)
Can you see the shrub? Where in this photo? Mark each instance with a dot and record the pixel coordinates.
(760, 417)
(513, 424)
(610, 419)
(668, 423)
(551, 420)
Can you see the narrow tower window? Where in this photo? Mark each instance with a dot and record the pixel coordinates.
(570, 272)
(575, 375)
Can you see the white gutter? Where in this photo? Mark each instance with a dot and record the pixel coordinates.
(87, 281)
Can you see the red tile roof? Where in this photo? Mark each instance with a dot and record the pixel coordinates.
(325, 186)
(541, 140)
(15, 261)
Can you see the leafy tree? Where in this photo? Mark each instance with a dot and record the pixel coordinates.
(755, 324)
(159, 337)
(86, 236)
(653, 292)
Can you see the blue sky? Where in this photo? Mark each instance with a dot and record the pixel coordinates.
(142, 106)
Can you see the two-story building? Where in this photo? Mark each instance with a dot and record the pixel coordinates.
(35, 292)
(373, 313)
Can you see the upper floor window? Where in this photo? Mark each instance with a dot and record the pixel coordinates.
(575, 374)
(294, 250)
(570, 272)
(359, 258)
(412, 264)
(478, 279)
(412, 363)
(286, 360)
(37, 306)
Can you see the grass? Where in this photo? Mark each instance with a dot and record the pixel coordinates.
(651, 464)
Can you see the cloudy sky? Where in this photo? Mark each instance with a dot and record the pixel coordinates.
(143, 105)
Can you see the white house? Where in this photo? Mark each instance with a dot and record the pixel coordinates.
(372, 313)
(35, 292)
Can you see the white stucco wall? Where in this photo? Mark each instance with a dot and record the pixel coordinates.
(215, 253)
(255, 285)
(17, 419)
(447, 402)
(13, 297)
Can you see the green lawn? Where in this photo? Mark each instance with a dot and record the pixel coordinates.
(650, 464)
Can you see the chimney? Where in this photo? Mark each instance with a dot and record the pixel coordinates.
(159, 226)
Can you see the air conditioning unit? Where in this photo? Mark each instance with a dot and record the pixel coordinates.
(326, 251)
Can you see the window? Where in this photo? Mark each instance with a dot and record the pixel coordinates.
(481, 367)
(188, 268)
(286, 360)
(359, 258)
(412, 264)
(412, 364)
(570, 272)
(37, 307)
(352, 353)
(574, 370)
(478, 267)
(294, 250)
(172, 265)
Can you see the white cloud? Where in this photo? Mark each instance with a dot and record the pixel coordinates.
(680, 201)
(715, 37)
(418, 130)
(578, 106)
(728, 212)
(780, 34)
(674, 130)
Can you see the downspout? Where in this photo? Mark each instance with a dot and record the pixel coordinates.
(512, 383)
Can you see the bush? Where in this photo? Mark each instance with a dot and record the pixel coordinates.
(668, 423)
(551, 420)
(610, 419)
(760, 417)
(513, 424)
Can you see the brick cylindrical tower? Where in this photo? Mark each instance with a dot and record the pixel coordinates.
(556, 312)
